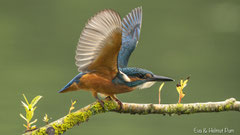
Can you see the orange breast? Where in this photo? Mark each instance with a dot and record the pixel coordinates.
(99, 83)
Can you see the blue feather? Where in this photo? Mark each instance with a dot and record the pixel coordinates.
(75, 79)
(134, 72)
(119, 80)
(131, 26)
(131, 72)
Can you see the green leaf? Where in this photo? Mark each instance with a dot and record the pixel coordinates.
(33, 122)
(25, 99)
(25, 105)
(35, 100)
(25, 125)
(161, 86)
(33, 127)
(34, 109)
(23, 117)
(29, 115)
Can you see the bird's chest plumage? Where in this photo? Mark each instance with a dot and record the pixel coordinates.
(102, 84)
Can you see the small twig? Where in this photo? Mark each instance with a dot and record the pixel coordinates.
(159, 93)
(159, 97)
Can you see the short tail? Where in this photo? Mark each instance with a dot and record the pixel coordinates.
(72, 85)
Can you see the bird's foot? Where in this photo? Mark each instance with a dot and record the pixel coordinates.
(119, 103)
(101, 103)
(108, 98)
(117, 100)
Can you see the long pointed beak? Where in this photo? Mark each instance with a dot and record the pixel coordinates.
(160, 78)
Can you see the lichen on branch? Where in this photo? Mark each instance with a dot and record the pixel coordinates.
(82, 115)
(227, 105)
(75, 118)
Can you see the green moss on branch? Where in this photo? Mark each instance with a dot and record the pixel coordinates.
(69, 121)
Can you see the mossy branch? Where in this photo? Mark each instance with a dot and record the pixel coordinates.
(82, 115)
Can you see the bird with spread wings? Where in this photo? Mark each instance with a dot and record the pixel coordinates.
(102, 55)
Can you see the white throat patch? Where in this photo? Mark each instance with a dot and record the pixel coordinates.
(145, 85)
(125, 77)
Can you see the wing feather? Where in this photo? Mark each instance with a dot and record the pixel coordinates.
(131, 26)
(100, 39)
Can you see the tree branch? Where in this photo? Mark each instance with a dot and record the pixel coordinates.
(67, 122)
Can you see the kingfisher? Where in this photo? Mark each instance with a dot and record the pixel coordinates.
(102, 55)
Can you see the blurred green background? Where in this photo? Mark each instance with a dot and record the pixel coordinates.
(178, 38)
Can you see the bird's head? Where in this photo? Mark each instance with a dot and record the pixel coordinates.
(142, 78)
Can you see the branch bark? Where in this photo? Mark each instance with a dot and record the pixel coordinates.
(82, 115)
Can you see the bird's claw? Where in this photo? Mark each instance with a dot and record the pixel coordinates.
(108, 98)
(119, 103)
(101, 103)
(117, 100)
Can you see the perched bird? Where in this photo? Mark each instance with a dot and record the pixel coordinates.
(102, 54)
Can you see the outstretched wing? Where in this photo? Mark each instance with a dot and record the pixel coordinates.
(100, 43)
(131, 26)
